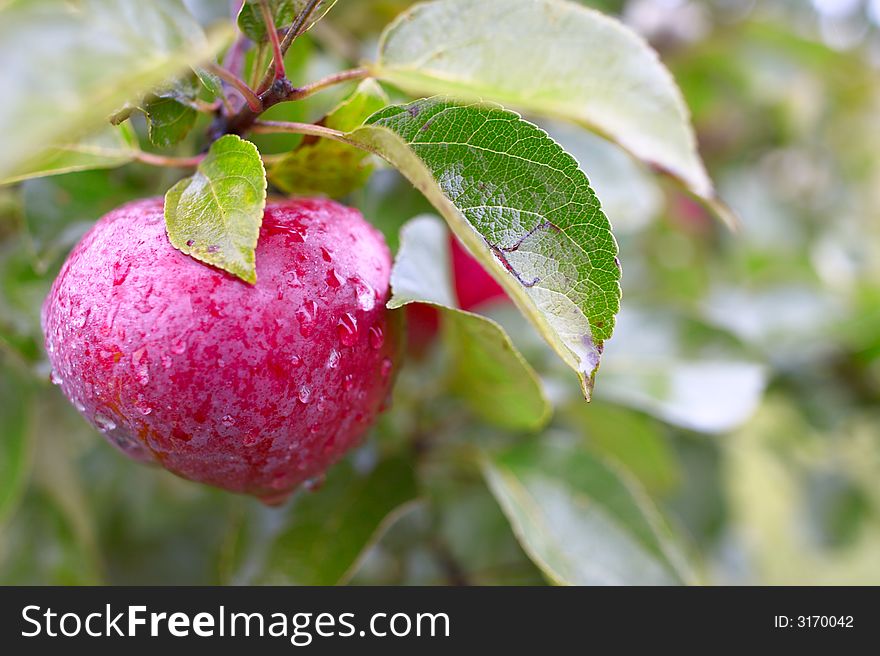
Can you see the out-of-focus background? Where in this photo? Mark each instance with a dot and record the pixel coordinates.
(742, 387)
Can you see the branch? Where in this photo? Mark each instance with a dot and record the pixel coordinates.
(252, 99)
(330, 80)
(277, 55)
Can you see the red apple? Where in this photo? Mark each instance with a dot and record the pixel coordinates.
(252, 388)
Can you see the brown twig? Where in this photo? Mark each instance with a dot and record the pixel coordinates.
(329, 81)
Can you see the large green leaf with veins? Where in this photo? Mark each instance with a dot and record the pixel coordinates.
(521, 205)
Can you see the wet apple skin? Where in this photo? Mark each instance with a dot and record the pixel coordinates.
(251, 388)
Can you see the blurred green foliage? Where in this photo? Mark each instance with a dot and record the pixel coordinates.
(740, 396)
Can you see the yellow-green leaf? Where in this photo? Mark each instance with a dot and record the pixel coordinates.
(215, 214)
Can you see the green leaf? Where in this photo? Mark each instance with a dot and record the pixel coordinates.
(215, 214)
(579, 65)
(15, 393)
(325, 533)
(521, 205)
(112, 147)
(486, 369)
(580, 520)
(324, 166)
(169, 119)
(68, 66)
(250, 18)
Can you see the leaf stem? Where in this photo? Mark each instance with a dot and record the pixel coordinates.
(252, 99)
(277, 55)
(330, 80)
(168, 162)
(268, 127)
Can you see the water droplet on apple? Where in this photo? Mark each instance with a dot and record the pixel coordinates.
(348, 382)
(306, 315)
(104, 423)
(141, 365)
(333, 359)
(142, 406)
(305, 394)
(366, 295)
(80, 321)
(347, 329)
(228, 420)
(314, 484)
(386, 367)
(120, 272)
(377, 337)
(333, 279)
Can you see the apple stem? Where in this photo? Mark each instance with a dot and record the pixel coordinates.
(252, 99)
(277, 55)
